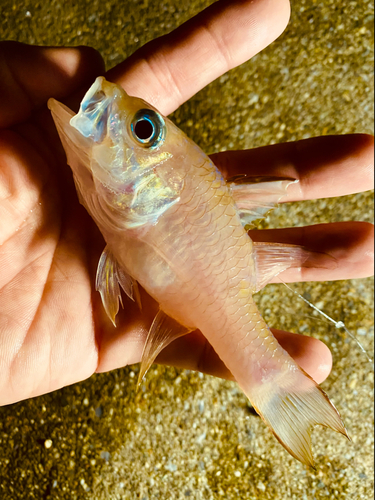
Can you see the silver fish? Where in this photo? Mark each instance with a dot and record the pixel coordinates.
(176, 227)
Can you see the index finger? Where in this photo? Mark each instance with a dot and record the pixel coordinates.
(325, 166)
(169, 70)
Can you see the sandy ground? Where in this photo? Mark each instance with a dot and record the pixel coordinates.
(186, 435)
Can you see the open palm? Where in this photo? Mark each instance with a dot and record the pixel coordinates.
(53, 331)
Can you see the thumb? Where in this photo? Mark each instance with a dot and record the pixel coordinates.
(30, 75)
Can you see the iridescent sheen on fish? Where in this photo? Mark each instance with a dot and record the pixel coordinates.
(176, 227)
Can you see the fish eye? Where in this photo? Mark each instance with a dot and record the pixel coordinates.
(148, 128)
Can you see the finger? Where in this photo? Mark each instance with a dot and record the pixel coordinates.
(351, 244)
(169, 70)
(325, 166)
(193, 352)
(29, 75)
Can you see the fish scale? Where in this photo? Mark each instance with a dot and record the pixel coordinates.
(175, 226)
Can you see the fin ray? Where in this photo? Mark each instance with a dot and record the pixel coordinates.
(109, 277)
(256, 196)
(273, 258)
(291, 406)
(163, 331)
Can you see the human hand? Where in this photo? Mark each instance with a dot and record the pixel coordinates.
(53, 330)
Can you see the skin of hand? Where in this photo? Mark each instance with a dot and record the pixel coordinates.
(53, 329)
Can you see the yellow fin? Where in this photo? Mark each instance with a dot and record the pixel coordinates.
(273, 258)
(162, 332)
(256, 196)
(291, 404)
(109, 277)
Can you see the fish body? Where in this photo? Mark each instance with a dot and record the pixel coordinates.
(176, 227)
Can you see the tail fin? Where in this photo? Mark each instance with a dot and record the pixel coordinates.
(291, 405)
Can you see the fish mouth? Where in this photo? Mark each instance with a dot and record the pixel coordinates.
(61, 114)
(92, 117)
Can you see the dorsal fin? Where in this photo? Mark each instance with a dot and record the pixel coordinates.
(256, 196)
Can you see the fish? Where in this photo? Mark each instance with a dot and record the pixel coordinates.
(173, 225)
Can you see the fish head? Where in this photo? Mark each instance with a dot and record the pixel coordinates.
(127, 159)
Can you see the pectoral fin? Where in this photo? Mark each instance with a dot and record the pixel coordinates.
(162, 332)
(256, 196)
(109, 277)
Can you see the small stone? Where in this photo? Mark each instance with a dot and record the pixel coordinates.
(84, 485)
(201, 438)
(105, 455)
(48, 443)
(171, 467)
(261, 486)
(253, 98)
(352, 384)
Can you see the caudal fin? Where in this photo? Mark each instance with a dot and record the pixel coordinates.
(291, 405)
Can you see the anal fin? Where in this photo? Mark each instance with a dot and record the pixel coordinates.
(109, 277)
(163, 331)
